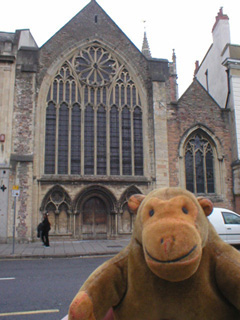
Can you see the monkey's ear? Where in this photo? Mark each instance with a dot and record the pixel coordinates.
(206, 204)
(135, 201)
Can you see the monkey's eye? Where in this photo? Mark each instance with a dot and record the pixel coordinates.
(151, 213)
(185, 210)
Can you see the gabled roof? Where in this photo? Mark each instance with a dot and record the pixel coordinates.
(92, 19)
(93, 25)
(197, 85)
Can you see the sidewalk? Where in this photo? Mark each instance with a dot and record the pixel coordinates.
(62, 249)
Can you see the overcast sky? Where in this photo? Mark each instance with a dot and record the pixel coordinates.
(181, 25)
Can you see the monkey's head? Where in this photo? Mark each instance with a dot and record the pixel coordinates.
(172, 227)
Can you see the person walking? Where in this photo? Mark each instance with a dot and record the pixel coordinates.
(46, 226)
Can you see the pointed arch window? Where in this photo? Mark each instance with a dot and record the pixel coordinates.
(94, 117)
(199, 164)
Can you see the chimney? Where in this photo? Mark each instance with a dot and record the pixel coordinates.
(196, 68)
(220, 16)
(221, 31)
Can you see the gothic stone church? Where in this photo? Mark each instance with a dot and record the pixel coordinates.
(87, 120)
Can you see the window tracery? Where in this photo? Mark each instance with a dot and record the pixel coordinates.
(94, 119)
(199, 164)
(95, 66)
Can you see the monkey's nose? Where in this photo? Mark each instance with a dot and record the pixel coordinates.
(167, 243)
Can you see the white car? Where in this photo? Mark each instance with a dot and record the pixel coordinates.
(227, 224)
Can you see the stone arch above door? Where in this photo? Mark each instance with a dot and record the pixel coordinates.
(94, 212)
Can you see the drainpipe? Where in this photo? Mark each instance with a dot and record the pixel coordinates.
(229, 91)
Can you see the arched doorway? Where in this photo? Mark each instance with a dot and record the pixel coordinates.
(94, 219)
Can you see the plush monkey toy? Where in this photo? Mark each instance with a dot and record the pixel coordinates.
(176, 267)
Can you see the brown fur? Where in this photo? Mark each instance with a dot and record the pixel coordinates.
(175, 267)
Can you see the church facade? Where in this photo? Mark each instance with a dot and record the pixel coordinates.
(87, 120)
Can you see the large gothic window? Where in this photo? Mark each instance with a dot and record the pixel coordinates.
(94, 118)
(199, 164)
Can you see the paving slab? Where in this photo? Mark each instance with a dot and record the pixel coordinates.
(61, 249)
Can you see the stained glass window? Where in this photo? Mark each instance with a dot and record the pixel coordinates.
(199, 164)
(94, 117)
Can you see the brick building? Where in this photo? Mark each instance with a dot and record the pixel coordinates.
(222, 62)
(87, 120)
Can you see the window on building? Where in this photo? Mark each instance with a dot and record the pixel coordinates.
(199, 164)
(94, 119)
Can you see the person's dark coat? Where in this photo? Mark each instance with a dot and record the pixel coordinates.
(39, 230)
(46, 225)
(45, 229)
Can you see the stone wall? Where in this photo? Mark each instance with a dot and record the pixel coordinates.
(21, 160)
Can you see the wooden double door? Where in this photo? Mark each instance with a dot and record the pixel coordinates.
(95, 219)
